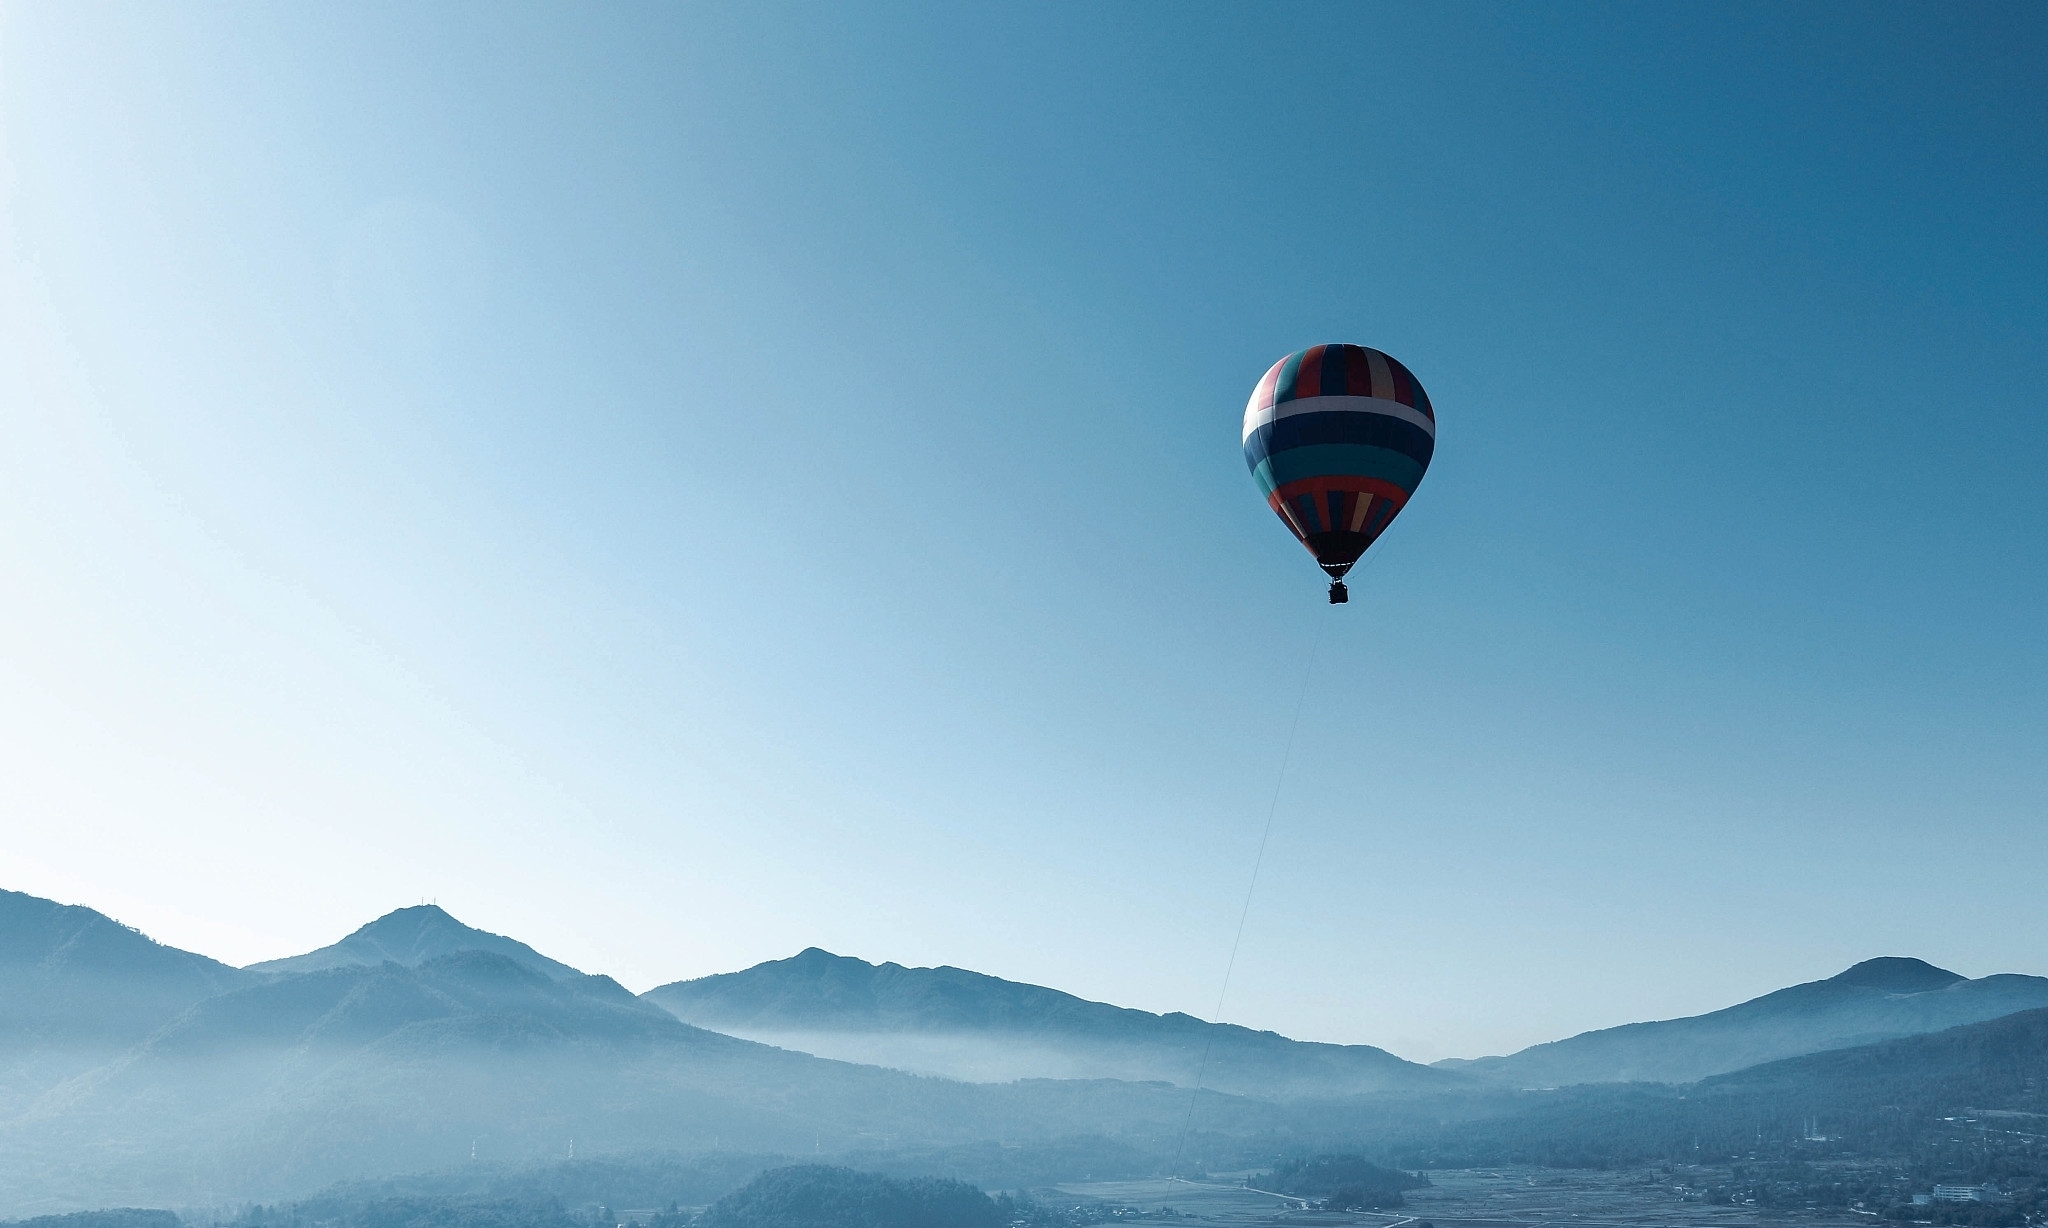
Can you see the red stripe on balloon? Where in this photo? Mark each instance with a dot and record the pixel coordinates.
(1320, 485)
(1310, 382)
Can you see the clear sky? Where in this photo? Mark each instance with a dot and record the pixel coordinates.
(677, 484)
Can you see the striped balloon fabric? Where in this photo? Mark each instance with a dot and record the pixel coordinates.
(1338, 437)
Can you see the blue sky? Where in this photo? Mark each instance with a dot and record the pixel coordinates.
(680, 484)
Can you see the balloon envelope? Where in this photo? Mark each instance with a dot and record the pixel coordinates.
(1337, 438)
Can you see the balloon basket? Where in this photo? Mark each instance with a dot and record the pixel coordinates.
(1338, 593)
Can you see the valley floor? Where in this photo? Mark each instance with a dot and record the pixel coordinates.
(1483, 1198)
(1508, 1197)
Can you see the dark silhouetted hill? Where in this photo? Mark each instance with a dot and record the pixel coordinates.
(1876, 1000)
(657, 1179)
(412, 936)
(1346, 1182)
(817, 1196)
(966, 1025)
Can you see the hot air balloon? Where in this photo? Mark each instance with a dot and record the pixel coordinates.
(1338, 437)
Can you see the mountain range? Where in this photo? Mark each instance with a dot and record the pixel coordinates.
(1878, 999)
(969, 1026)
(221, 1084)
(294, 1082)
(1968, 1099)
(135, 1072)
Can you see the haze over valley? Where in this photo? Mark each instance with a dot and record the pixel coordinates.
(138, 1074)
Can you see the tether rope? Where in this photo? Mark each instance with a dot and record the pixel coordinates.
(1272, 809)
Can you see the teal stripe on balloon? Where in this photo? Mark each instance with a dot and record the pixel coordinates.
(1337, 459)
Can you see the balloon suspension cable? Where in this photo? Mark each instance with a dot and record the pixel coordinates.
(1272, 809)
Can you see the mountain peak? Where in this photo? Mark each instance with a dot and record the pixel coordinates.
(410, 937)
(413, 921)
(418, 910)
(1898, 974)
